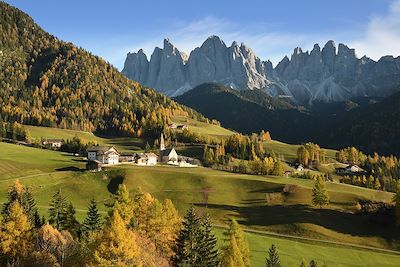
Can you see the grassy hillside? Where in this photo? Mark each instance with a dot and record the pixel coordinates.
(292, 252)
(251, 199)
(202, 127)
(121, 143)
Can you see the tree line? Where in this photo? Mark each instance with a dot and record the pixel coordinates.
(381, 172)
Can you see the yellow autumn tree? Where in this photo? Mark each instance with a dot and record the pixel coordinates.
(16, 235)
(116, 245)
(231, 255)
(53, 242)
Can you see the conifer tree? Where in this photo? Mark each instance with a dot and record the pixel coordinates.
(312, 263)
(116, 245)
(69, 221)
(16, 236)
(320, 196)
(93, 220)
(273, 258)
(209, 244)
(236, 237)
(123, 204)
(57, 210)
(231, 255)
(24, 197)
(188, 245)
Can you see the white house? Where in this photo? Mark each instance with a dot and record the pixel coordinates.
(146, 159)
(353, 169)
(53, 143)
(104, 154)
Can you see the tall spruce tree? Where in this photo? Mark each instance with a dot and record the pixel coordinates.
(320, 196)
(93, 221)
(69, 221)
(57, 210)
(188, 245)
(209, 248)
(273, 258)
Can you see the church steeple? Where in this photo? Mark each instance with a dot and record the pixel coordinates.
(162, 143)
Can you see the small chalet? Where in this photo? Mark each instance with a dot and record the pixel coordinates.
(52, 143)
(145, 159)
(104, 154)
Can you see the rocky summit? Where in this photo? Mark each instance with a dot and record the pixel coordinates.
(329, 74)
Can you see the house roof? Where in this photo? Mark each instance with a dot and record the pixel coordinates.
(167, 151)
(102, 149)
(145, 155)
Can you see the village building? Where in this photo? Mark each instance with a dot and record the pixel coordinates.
(178, 126)
(299, 167)
(167, 155)
(104, 154)
(93, 165)
(145, 159)
(52, 143)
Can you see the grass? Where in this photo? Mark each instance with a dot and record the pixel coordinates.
(202, 127)
(123, 144)
(269, 203)
(292, 252)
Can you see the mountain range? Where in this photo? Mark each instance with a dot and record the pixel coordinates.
(330, 74)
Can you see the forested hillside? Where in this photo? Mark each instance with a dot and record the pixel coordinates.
(371, 128)
(45, 81)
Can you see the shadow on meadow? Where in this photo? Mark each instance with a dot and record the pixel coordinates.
(254, 213)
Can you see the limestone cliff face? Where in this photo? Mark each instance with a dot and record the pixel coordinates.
(328, 74)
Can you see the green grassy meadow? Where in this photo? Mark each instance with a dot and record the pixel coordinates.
(292, 252)
(267, 203)
(202, 127)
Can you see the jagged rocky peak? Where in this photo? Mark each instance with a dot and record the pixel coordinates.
(327, 74)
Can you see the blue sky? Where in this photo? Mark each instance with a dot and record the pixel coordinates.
(271, 28)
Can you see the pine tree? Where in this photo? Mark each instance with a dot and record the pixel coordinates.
(273, 258)
(93, 222)
(123, 204)
(69, 221)
(231, 254)
(312, 263)
(16, 236)
(209, 244)
(24, 196)
(236, 237)
(58, 207)
(188, 245)
(116, 245)
(320, 196)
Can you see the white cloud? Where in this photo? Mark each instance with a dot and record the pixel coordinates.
(382, 35)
